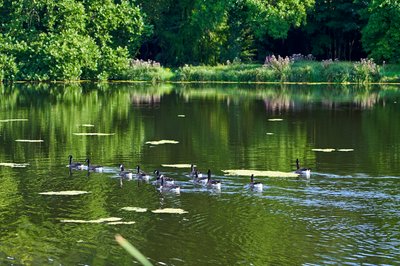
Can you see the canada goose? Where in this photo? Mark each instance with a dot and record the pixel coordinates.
(302, 171)
(168, 187)
(159, 177)
(212, 183)
(123, 173)
(197, 179)
(96, 168)
(141, 175)
(255, 185)
(76, 165)
(194, 172)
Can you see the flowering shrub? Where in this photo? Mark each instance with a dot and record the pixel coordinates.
(300, 57)
(144, 64)
(147, 70)
(280, 65)
(326, 63)
(367, 70)
(336, 71)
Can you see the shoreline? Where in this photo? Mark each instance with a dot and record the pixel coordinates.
(298, 73)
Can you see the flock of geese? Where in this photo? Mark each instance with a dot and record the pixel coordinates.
(165, 183)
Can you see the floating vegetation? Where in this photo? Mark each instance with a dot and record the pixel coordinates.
(331, 150)
(87, 125)
(97, 221)
(270, 134)
(121, 222)
(134, 209)
(275, 119)
(182, 165)
(164, 141)
(64, 193)
(181, 115)
(94, 134)
(15, 165)
(243, 172)
(29, 140)
(345, 150)
(324, 150)
(13, 120)
(170, 210)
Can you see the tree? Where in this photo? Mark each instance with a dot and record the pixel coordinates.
(334, 28)
(240, 37)
(206, 31)
(186, 31)
(275, 18)
(70, 39)
(381, 36)
(8, 67)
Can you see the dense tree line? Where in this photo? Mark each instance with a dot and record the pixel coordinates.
(95, 39)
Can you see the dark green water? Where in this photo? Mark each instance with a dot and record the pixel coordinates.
(348, 213)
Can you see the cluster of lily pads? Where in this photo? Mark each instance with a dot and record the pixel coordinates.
(109, 220)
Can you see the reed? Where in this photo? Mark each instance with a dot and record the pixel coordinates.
(132, 250)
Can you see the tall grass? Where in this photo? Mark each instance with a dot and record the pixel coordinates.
(390, 73)
(296, 68)
(140, 70)
(301, 71)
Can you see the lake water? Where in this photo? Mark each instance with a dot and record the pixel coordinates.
(347, 213)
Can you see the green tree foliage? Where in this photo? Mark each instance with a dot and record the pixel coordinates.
(240, 39)
(274, 18)
(95, 39)
(205, 31)
(381, 36)
(186, 31)
(334, 28)
(68, 39)
(8, 67)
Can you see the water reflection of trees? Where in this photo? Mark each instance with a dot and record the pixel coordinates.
(294, 97)
(116, 107)
(275, 97)
(222, 135)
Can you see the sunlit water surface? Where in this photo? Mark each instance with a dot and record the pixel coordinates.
(347, 213)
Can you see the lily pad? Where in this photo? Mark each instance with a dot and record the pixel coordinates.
(182, 165)
(134, 209)
(94, 134)
(345, 150)
(87, 125)
(121, 222)
(97, 221)
(270, 134)
(170, 210)
(181, 115)
(243, 172)
(324, 150)
(164, 141)
(64, 193)
(15, 165)
(29, 140)
(13, 120)
(275, 119)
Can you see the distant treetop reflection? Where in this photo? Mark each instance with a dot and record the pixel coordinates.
(275, 97)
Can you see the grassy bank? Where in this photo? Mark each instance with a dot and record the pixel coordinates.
(276, 70)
